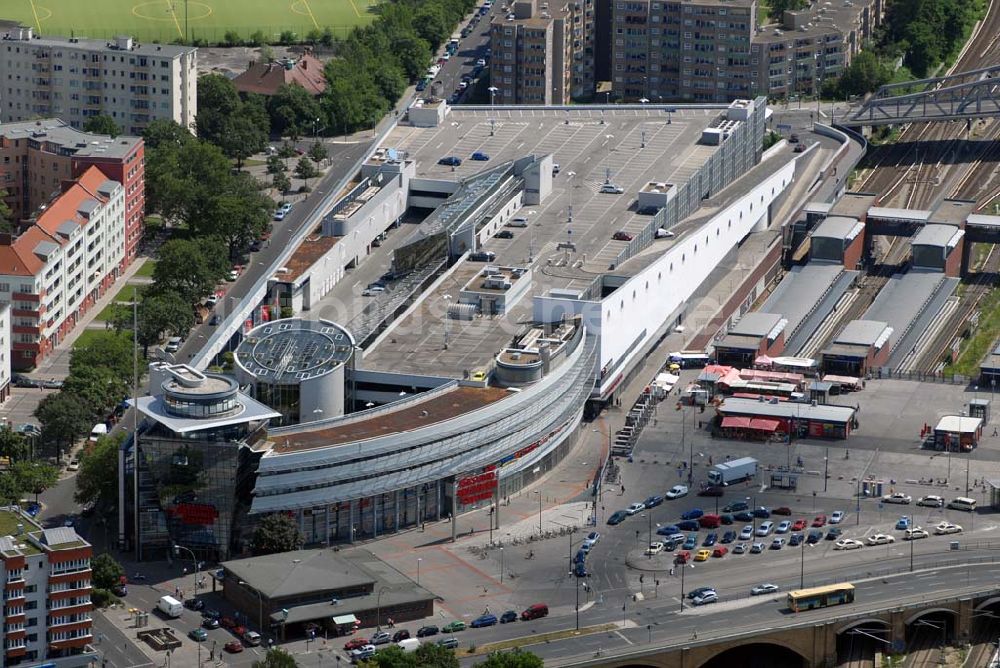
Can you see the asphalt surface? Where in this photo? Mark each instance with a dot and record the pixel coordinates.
(470, 49)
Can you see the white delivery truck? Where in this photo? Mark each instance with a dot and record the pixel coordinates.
(170, 607)
(736, 470)
(409, 645)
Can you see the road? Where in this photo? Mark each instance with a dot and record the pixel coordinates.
(470, 49)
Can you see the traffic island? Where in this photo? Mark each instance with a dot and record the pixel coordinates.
(525, 641)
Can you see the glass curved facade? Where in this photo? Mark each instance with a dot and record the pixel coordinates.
(190, 407)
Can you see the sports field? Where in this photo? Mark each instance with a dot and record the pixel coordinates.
(165, 20)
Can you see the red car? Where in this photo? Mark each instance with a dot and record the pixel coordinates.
(720, 551)
(799, 525)
(782, 510)
(819, 521)
(355, 643)
(228, 623)
(621, 236)
(682, 557)
(234, 647)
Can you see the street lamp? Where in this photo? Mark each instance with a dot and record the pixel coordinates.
(493, 91)
(682, 584)
(194, 558)
(501, 565)
(802, 566)
(260, 604)
(378, 608)
(539, 512)
(418, 570)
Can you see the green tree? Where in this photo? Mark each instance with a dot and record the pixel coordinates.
(14, 445)
(102, 124)
(6, 225)
(266, 53)
(10, 491)
(276, 533)
(318, 152)
(293, 111)
(241, 212)
(98, 387)
(778, 7)
(106, 572)
(182, 179)
(34, 477)
(281, 183)
(257, 38)
(218, 103)
(305, 170)
(286, 151)
(111, 351)
(276, 658)
(161, 313)
(232, 38)
(97, 479)
(428, 655)
(275, 165)
(241, 139)
(164, 133)
(64, 418)
(516, 659)
(189, 269)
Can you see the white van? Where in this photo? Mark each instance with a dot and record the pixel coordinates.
(409, 645)
(170, 607)
(100, 429)
(173, 344)
(963, 503)
(518, 222)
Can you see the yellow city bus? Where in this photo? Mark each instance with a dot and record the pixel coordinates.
(820, 597)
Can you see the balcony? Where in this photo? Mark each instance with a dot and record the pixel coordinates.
(71, 643)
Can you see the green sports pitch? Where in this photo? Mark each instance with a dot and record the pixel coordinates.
(206, 20)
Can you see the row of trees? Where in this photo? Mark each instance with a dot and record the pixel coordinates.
(24, 476)
(432, 655)
(923, 33)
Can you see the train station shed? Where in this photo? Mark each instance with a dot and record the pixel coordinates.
(859, 347)
(755, 334)
(989, 370)
(938, 247)
(805, 420)
(839, 239)
(958, 433)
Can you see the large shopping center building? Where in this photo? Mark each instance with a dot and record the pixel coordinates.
(466, 379)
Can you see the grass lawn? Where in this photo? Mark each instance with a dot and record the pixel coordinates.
(146, 270)
(208, 20)
(88, 336)
(125, 294)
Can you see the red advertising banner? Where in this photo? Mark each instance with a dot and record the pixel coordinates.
(195, 513)
(477, 487)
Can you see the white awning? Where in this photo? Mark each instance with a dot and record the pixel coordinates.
(345, 619)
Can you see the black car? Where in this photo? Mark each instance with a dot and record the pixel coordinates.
(728, 537)
(214, 320)
(726, 518)
(450, 161)
(401, 634)
(120, 590)
(688, 525)
(833, 534)
(712, 490)
(194, 604)
(580, 570)
(617, 517)
(814, 537)
(23, 381)
(211, 614)
(505, 234)
(425, 631)
(653, 501)
(710, 540)
(735, 507)
(210, 623)
(762, 513)
(509, 616)
(745, 516)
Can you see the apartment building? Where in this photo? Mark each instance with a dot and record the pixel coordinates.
(46, 598)
(37, 157)
(74, 78)
(58, 267)
(543, 52)
(714, 51)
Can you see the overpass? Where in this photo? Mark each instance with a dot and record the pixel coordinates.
(948, 601)
(962, 96)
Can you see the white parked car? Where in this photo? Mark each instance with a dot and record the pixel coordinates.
(880, 539)
(765, 528)
(372, 291)
(612, 189)
(706, 598)
(837, 517)
(946, 528)
(897, 497)
(635, 507)
(848, 544)
(676, 492)
(592, 538)
(915, 533)
(654, 548)
(783, 527)
(931, 501)
(747, 532)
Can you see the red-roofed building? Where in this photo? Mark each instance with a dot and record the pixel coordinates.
(266, 78)
(55, 271)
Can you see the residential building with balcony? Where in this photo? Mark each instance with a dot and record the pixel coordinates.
(543, 53)
(58, 267)
(46, 597)
(37, 157)
(714, 51)
(5, 352)
(74, 78)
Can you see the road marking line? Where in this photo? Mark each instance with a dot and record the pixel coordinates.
(170, 5)
(35, 12)
(619, 634)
